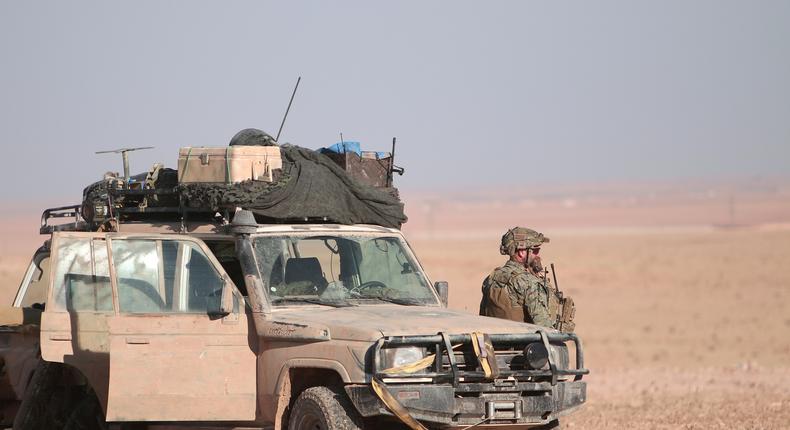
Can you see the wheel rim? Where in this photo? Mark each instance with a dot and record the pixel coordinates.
(309, 420)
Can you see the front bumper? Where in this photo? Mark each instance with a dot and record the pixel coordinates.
(455, 391)
(522, 403)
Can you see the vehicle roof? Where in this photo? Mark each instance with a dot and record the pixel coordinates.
(290, 228)
(214, 229)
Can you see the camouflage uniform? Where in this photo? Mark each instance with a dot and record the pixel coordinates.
(511, 291)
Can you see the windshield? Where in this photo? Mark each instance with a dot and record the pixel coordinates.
(340, 270)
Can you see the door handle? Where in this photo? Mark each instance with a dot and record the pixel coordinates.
(60, 337)
(137, 340)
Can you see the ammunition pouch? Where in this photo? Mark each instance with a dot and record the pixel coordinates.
(567, 311)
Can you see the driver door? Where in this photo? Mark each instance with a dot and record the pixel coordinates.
(173, 357)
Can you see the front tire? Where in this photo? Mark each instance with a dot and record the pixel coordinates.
(324, 408)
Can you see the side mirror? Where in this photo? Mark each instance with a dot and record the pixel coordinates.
(443, 290)
(226, 302)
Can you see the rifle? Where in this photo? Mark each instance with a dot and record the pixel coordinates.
(556, 285)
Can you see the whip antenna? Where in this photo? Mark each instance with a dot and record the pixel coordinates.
(277, 139)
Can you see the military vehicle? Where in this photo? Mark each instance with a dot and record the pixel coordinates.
(150, 311)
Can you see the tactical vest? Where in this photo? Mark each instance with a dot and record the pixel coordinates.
(496, 298)
(497, 302)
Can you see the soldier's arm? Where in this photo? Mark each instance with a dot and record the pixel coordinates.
(536, 304)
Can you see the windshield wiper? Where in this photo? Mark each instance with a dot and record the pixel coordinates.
(404, 302)
(316, 301)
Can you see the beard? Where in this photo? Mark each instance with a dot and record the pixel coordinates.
(534, 264)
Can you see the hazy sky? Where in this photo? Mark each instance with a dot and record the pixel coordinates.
(478, 94)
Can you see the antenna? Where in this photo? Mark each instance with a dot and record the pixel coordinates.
(277, 139)
(125, 154)
(393, 168)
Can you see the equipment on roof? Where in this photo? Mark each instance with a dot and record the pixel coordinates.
(125, 154)
(310, 187)
(231, 164)
(279, 184)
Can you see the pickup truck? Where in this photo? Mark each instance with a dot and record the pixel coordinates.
(206, 325)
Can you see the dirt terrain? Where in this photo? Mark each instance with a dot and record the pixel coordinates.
(685, 327)
(682, 291)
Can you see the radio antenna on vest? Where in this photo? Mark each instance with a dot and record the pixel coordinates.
(277, 139)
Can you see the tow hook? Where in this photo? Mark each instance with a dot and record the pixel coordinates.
(497, 410)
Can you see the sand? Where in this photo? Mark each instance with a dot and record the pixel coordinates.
(683, 327)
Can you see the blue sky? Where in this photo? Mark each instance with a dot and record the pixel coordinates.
(479, 94)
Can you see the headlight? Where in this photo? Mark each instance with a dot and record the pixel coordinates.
(397, 357)
(536, 356)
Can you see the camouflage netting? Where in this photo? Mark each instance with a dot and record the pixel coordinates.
(311, 186)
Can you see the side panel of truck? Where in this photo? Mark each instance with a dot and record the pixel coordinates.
(142, 331)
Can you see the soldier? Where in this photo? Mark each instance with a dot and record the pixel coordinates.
(516, 291)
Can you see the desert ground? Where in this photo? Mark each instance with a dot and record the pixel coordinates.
(684, 314)
(681, 329)
(682, 298)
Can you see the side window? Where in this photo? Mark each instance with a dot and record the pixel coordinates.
(82, 278)
(137, 270)
(165, 276)
(33, 290)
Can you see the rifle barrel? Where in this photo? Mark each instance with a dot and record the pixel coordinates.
(554, 275)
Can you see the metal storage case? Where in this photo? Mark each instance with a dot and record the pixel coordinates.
(229, 164)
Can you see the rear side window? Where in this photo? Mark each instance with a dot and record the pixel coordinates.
(82, 276)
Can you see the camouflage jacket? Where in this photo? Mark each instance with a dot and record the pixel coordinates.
(511, 292)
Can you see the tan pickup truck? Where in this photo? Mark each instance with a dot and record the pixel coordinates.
(298, 326)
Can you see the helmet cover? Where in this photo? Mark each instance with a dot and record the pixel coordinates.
(520, 238)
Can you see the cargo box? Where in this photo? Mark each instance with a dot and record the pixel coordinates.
(369, 168)
(229, 164)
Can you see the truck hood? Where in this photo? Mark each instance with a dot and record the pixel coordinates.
(372, 322)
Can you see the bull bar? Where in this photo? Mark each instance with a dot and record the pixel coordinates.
(447, 395)
(443, 343)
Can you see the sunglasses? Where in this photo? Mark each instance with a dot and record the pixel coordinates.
(535, 250)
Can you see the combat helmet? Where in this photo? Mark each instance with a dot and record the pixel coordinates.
(520, 238)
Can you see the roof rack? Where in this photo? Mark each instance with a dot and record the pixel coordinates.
(79, 224)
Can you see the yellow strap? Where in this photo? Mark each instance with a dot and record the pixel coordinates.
(484, 350)
(478, 352)
(395, 406)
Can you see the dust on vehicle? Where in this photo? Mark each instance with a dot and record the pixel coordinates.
(268, 287)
